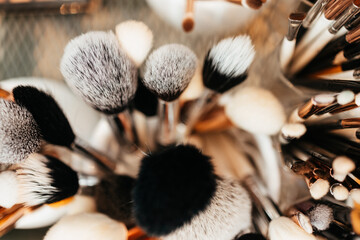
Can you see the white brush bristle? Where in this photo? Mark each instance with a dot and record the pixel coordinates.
(342, 166)
(169, 70)
(97, 69)
(233, 56)
(355, 195)
(321, 216)
(256, 110)
(339, 192)
(319, 188)
(89, 226)
(136, 39)
(293, 130)
(283, 228)
(34, 180)
(8, 189)
(345, 97)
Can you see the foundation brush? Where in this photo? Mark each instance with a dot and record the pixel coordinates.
(54, 125)
(99, 71)
(169, 70)
(226, 66)
(178, 196)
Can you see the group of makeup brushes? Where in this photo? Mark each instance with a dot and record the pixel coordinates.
(177, 193)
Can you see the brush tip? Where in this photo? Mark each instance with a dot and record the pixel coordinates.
(339, 192)
(345, 97)
(293, 130)
(321, 216)
(188, 22)
(342, 165)
(355, 195)
(319, 188)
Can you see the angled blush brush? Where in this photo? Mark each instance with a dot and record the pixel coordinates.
(54, 125)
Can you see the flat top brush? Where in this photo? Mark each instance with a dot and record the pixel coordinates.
(178, 196)
(226, 66)
(169, 70)
(54, 125)
(136, 39)
(19, 134)
(98, 70)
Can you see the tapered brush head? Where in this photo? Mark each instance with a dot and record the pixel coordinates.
(321, 216)
(227, 63)
(8, 189)
(169, 70)
(54, 126)
(19, 133)
(145, 101)
(178, 196)
(90, 226)
(283, 228)
(136, 39)
(44, 179)
(113, 198)
(97, 69)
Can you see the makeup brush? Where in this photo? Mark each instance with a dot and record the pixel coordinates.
(321, 216)
(335, 69)
(8, 189)
(113, 198)
(44, 180)
(226, 66)
(188, 20)
(343, 100)
(250, 106)
(99, 71)
(288, 44)
(282, 228)
(136, 39)
(196, 205)
(169, 70)
(339, 191)
(338, 124)
(291, 131)
(335, 85)
(54, 125)
(19, 133)
(91, 226)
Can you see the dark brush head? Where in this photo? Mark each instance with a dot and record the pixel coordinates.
(97, 69)
(251, 236)
(19, 133)
(227, 63)
(113, 198)
(169, 70)
(172, 187)
(44, 180)
(145, 101)
(54, 126)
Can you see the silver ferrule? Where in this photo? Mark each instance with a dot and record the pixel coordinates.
(106, 165)
(294, 26)
(344, 17)
(168, 113)
(314, 12)
(205, 102)
(124, 128)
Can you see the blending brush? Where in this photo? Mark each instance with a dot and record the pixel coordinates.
(291, 131)
(98, 70)
(226, 65)
(90, 226)
(136, 39)
(188, 21)
(169, 70)
(178, 196)
(19, 134)
(54, 126)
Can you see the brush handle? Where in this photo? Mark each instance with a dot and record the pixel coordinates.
(335, 85)
(80, 146)
(123, 125)
(168, 113)
(314, 12)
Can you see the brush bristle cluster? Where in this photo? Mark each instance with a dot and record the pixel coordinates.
(321, 216)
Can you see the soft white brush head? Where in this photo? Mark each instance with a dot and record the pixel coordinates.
(293, 130)
(89, 226)
(34, 180)
(256, 110)
(355, 195)
(169, 70)
(8, 189)
(232, 56)
(284, 228)
(321, 216)
(339, 192)
(357, 99)
(324, 98)
(343, 165)
(345, 97)
(319, 188)
(98, 70)
(136, 39)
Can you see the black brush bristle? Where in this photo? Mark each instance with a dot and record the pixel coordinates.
(55, 127)
(65, 180)
(113, 198)
(218, 82)
(145, 101)
(251, 236)
(172, 187)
